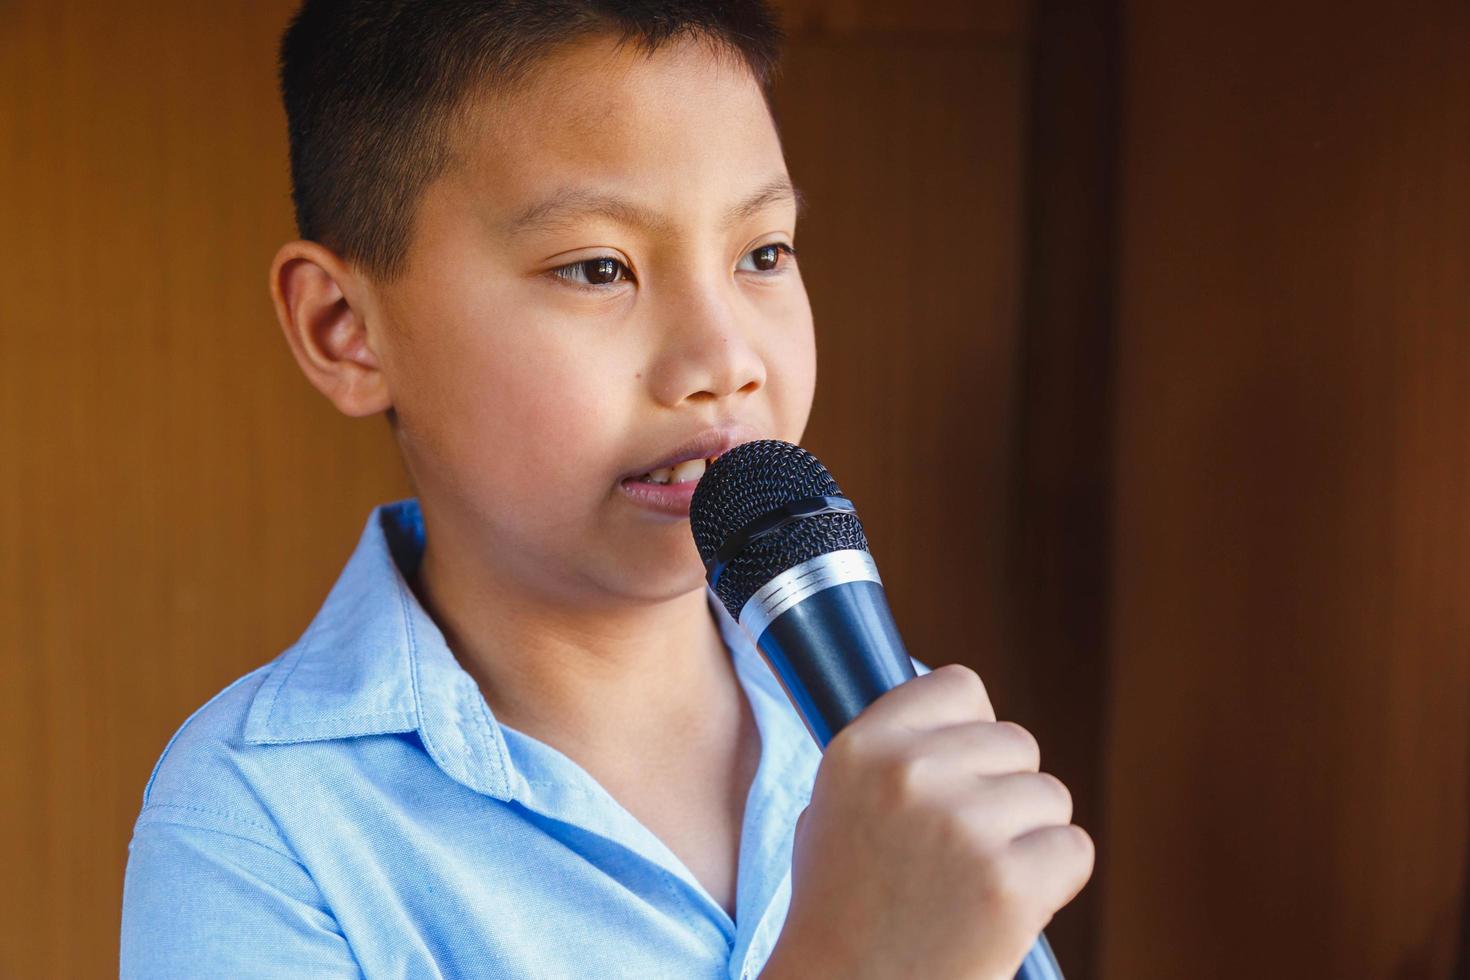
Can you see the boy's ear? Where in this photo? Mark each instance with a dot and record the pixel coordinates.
(319, 302)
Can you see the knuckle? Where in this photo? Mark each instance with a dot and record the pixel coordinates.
(961, 675)
(961, 836)
(1056, 788)
(1082, 842)
(1024, 740)
(900, 778)
(969, 687)
(1074, 855)
(972, 829)
(848, 745)
(1002, 889)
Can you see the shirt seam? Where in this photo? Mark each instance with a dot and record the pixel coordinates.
(277, 845)
(153, 776)
(672, 884)
(282, 851)
(351, 716)
(413, 674)
(303, 647)
(478, 712)
(313, 734)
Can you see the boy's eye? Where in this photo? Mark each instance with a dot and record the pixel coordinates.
(591, 273)
(768, 257)
(605, 270)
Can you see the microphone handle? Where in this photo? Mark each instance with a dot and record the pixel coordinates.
(826, 631)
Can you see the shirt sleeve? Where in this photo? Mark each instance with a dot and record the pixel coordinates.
(206, 901)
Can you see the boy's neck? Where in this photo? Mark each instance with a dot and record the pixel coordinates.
(572, 676)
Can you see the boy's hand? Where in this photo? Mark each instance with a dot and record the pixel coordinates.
(932, 846)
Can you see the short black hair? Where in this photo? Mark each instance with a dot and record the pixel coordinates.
(373, 88)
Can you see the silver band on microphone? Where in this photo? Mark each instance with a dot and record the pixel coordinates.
(800, 581)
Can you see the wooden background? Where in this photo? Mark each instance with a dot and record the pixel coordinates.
(1144, 340)
(1290, 641)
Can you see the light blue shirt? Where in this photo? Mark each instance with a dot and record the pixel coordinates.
(352, 808)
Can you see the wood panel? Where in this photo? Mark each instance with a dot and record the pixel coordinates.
(1291, 631)
(1060, 565)
(177, 499)
(910, 256)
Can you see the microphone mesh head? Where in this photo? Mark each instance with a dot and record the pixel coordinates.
(748, 482)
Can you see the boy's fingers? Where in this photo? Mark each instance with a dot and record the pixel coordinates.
(948, 695)
(1055, 861)
(983, 747)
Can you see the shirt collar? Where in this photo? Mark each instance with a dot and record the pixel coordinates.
(373, 662)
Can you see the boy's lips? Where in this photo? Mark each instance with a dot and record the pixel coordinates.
(664, 498)
(706, 445)
(672, 497)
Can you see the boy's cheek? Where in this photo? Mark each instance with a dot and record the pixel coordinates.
(496, 436)
(791, 376)
(540, 443)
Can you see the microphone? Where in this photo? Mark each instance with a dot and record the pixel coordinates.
(785, 554)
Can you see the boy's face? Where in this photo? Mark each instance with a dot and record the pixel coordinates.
(533, 379)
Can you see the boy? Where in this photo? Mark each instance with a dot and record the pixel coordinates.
(553, 242)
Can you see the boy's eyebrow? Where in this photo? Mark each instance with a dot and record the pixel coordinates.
(569, 203)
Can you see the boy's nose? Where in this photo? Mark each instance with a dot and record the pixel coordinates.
(706, 352)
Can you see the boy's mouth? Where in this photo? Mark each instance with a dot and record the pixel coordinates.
(667, 486)
(688, 471)
(667, 490)
(686, 463)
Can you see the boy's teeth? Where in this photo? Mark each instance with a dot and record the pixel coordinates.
(691, 469)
